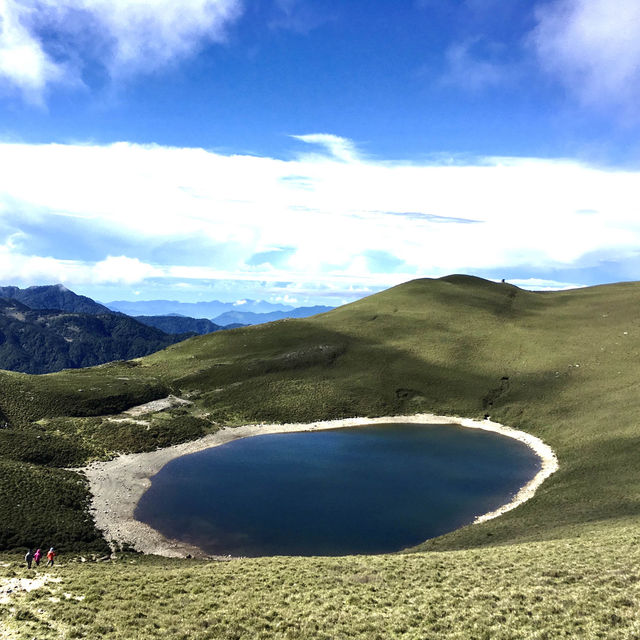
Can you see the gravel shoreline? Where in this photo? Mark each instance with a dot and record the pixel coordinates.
(117, 485)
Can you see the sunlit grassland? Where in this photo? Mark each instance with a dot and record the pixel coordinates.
(562, 366)
(587, 587)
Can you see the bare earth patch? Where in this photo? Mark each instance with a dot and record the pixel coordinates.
(10, 587)
(156, 405)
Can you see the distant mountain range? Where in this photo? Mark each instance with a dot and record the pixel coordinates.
(43, 341)
(180, 324)
(208, 310)
(225, 314)
(48, 328)
(246, 317)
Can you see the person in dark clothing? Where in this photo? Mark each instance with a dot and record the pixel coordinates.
(28, 558)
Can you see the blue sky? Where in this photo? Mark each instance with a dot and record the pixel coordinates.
(308, 151)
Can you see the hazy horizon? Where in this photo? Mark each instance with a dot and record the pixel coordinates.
(304, 152)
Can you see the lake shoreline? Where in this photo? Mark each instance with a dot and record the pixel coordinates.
(117, 485)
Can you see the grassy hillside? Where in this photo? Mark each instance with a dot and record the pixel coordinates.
(586, 587)
(559, 365)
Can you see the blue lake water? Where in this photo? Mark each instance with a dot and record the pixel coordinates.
(371, 489)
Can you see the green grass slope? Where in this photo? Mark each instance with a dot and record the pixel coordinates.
(586, 587)
(560, 365)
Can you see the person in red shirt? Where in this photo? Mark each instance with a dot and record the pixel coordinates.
(50, 556)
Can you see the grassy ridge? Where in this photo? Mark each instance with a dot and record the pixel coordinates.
(560, 365)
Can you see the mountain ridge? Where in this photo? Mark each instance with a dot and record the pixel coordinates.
(44, 341)
(176, 324)
(55, 296)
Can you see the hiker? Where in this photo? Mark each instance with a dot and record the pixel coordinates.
(28, 558)
(50, 556)
(37, 556)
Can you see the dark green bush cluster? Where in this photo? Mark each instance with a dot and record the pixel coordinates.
(42, 507)
(38, 447)
(99, 406)
(133, 437)
(40, 503)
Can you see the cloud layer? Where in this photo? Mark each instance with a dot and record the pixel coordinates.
(44, 42)
(128, 213)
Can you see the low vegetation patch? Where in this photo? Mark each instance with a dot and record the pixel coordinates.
(47, 507)
(42, 502)
(585, 587)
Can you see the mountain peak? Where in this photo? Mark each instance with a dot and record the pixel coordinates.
(53, 296)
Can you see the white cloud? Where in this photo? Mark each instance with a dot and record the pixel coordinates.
(23, 61)
(529, 213)
(125, 36)
(16, 266)
(123, 270)
(338, 147)
(593, 47)
(541, 284)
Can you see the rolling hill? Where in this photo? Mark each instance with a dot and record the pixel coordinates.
(560, 365)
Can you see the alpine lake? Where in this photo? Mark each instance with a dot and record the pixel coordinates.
(355, 490)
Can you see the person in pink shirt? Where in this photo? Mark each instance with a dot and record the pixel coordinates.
(37, 556)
